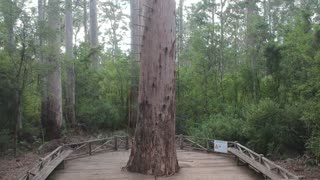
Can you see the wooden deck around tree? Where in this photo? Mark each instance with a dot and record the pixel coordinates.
(194, 166)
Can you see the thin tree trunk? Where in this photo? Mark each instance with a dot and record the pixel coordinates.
(70, 83)
(250, 47)
(52, 119)
(153, 150)
(180, 43)
(136, 33)
(180, 37)
(85, 20)
(10, 19)
(20, 80)
(221, 62)
(94, 33)
(17, 120)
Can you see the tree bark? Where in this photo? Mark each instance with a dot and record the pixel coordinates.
(70, 82)
(52, 109)
(153, 150)
(94, 32)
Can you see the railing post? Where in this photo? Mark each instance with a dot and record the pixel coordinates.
(208, 145)
(90, 148)
(260, 158)
(127, 142)
(181, 141)
(115, 143)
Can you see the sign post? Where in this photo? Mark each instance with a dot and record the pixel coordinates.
(220, 146)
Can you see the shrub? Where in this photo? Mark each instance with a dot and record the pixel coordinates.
(275, 130)
(218, 127)
(313, 145)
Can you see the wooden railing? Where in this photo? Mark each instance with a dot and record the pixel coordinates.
(70, 151)
(196, 143)
(259, 162)
(41, 170)
(99, 145)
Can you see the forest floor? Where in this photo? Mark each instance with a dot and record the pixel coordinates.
(14, 167)
(301, 166)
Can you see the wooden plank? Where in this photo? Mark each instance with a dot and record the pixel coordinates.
(254, 164)
(196, 144)
(247, 149)
(194, 165)
(104, 144)
(254, 160)
(85, 142)
(47, 170)
(51, 154)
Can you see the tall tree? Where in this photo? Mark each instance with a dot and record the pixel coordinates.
(10, 12)
(153, 150)
(52, 107)
(10, 15)
(252, 51)
(44, 79)
(117, 19)
(85, 20)
(180, 27)
(94, 33)
(70, 82)
(221, 59)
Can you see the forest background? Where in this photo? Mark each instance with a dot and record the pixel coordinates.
(247, 71)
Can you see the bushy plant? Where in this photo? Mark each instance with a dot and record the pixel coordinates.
(218, 127)
(313, 145)
(274, 130)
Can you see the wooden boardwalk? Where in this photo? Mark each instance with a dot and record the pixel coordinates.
(194, 166)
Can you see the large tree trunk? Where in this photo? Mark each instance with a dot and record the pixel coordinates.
(52, 109)
(44, 84)
(153, 150)
(70, 83)
(94, 32)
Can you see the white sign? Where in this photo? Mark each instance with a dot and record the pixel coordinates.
(220, 146)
